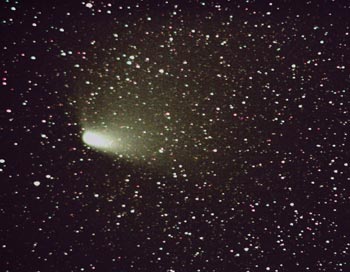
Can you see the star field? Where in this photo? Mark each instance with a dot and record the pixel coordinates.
(174, 136)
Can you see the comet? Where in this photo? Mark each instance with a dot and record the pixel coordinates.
(99, 140)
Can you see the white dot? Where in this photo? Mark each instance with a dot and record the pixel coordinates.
(36, 183)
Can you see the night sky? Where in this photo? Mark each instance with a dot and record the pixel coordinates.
(194, 136)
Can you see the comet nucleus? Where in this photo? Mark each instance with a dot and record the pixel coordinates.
(98, 140)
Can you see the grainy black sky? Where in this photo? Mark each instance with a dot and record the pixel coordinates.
(232, 122)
